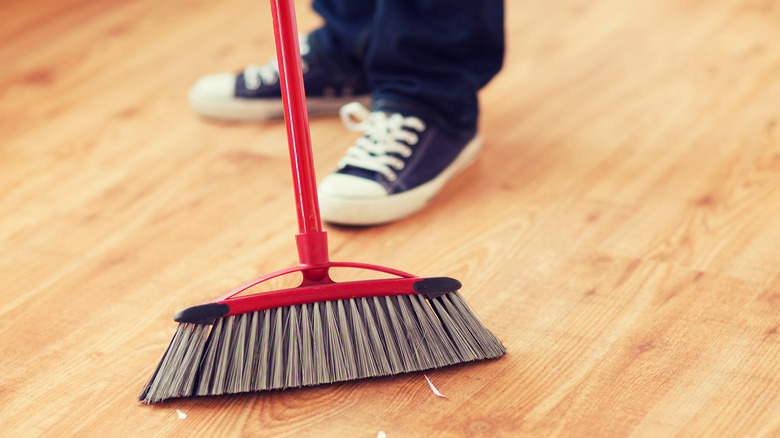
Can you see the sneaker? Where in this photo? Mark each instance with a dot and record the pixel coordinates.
(395, 169)
(255, 93)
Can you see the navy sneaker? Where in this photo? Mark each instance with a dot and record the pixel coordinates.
(395, 169)
(255, 93)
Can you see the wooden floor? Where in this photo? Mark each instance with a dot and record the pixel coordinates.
(620, 232)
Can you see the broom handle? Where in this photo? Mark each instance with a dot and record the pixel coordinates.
(312, 243)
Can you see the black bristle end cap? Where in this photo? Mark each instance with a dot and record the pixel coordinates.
(436, 286)
(202, 314)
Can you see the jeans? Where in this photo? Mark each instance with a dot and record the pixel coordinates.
(425, 57)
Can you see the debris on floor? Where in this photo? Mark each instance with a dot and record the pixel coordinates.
(433, 388)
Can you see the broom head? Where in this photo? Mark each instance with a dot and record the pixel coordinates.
(319, 332)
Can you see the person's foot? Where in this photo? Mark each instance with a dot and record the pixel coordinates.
(395, 169)
(255, 93)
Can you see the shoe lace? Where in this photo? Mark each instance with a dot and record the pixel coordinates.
(386, 138)
(256, 75)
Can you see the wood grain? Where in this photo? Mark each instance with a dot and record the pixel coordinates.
(619, 233)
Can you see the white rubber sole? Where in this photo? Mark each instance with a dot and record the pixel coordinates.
(363, 211)
(244, 110)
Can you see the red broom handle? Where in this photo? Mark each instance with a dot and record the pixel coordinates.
(312, 243)
(296, 116)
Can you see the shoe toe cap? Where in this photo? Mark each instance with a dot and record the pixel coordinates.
(215, 86)
(341, 185)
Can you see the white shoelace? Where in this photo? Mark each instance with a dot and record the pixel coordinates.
(384, 134)
(256, 75)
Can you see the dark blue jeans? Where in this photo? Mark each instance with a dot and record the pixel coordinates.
(428, 57)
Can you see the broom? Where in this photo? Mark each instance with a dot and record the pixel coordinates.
(321, 331)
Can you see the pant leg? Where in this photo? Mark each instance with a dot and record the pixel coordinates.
(344, 34)
(434, 56)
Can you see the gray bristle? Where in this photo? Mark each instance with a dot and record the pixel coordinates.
(376, 347)
(276, 364)
(308, 362)
(292, 365)
(318, 343)
(321, 365)
(335, 351)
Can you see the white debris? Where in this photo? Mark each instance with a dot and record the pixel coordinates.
(381, 434)
(181, 414)
(433, 388)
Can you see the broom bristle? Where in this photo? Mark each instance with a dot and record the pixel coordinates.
(318, 343)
